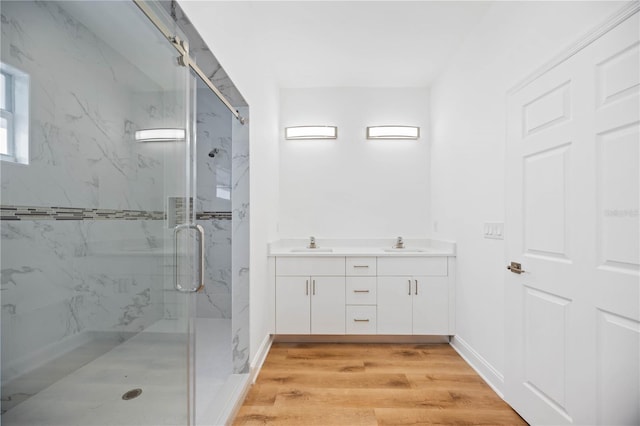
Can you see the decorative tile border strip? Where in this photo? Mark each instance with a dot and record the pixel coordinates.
(79, 213)
(213, 215)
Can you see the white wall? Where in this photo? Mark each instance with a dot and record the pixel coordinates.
(238, 55)
(352, 187)
(468, 145)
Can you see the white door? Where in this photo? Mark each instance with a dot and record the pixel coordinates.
(572, 318)
(293, 308)
(395, 305)
(328, 305)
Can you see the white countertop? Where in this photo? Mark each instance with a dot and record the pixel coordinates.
(361, 247)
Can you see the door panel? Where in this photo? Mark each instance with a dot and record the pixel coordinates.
(545, 329)
(618, 390)
(544, 192)
(572, 221)
(617, 189)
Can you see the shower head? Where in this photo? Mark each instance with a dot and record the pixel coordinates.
(213, 152)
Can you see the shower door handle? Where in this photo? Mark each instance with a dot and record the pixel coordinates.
(199, 284)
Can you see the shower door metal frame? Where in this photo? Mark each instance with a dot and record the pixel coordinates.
(185, 59)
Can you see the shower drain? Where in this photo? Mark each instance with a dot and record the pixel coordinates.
(133, 393)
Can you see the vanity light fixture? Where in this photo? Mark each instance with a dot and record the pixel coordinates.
(393, 132)
(159, 135)
(311, 132)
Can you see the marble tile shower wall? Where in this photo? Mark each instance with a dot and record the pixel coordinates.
(213, 194)
(240, 235)
(61, 279)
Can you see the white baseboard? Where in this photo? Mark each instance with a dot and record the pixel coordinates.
(258, 360)
(489, 374)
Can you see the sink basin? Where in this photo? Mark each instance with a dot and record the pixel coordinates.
(404, 250)
(311, 250)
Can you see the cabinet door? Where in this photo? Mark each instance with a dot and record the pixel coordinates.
(395, 298)
(327, 305)
(292, 305)
(431, 305)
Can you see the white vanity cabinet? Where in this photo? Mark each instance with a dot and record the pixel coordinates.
(310, 295)
(413, 296)
(364, 295)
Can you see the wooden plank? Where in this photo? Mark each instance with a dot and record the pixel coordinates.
(305, 416)
(369, 351)
(385, 398)
(322, 366)
(261, 395)
(427, 366)
(451, 381)
(338, 380)
(404, 416)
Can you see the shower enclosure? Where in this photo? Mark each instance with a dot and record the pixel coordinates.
(113, 216)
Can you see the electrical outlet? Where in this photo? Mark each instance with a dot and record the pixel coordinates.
(494, 230)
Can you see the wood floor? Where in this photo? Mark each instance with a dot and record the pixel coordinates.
(368, 384)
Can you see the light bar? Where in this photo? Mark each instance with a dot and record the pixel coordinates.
(159, 135)
(311, 132)
(393, 132)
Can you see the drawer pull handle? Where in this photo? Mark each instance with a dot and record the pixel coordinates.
(361, 291)
(314, 287)
(360, 266)
(416, 287)
(360, 320)
(409, 287)
(307, 287)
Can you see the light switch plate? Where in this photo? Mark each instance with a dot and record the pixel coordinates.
(494, 230)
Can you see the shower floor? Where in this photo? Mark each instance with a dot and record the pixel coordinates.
(153, 360)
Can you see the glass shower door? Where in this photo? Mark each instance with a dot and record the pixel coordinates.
(98, 256)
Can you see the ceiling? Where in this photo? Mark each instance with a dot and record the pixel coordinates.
(345, 43)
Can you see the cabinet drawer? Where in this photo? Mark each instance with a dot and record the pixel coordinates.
(411, 266)
(307, 266)
(361, 266)
(361, 290)
(361, 320)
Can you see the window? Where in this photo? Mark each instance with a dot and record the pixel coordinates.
(14, 115)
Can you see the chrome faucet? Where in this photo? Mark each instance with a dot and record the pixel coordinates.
(399, 243)
(312, 243)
